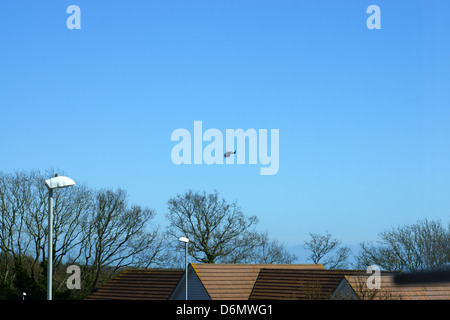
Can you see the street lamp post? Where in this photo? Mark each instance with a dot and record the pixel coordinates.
(186, 241)
(53, 183)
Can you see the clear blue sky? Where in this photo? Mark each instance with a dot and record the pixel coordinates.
(363, 115)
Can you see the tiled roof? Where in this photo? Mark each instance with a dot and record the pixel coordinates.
(289, 284)
(393, 291)
(139, 285)
(235, 281)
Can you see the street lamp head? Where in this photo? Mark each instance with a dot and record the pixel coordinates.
(59, 182)
(184, 239)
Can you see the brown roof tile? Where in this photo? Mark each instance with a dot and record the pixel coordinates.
(235, 281)
(139, 285)
(391, 290)
(288, 284)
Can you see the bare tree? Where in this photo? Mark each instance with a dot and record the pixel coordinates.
(13, 242)
(421, 246)
(24, 230)
(118, 236)
(270, 251)
(218, 231)
(327, 251)
(96, 230)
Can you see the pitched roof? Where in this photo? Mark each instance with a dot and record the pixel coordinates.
(389, 289)
(235, 281)
(139, 285)
(291, 284)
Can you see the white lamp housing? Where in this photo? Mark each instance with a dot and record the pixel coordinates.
(59, 182)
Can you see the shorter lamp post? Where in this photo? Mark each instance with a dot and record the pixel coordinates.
(53, 183)
(186, 241)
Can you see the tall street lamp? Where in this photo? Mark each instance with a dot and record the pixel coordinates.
(53, 183)
(186, 241)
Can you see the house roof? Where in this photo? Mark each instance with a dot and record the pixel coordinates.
(295, 284)
(139, 285)
(389, 289)
(235, 281)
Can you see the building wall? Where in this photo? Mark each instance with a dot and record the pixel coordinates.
(344, 292)
(196, 291)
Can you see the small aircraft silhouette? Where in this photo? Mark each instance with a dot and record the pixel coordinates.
(229, 153)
